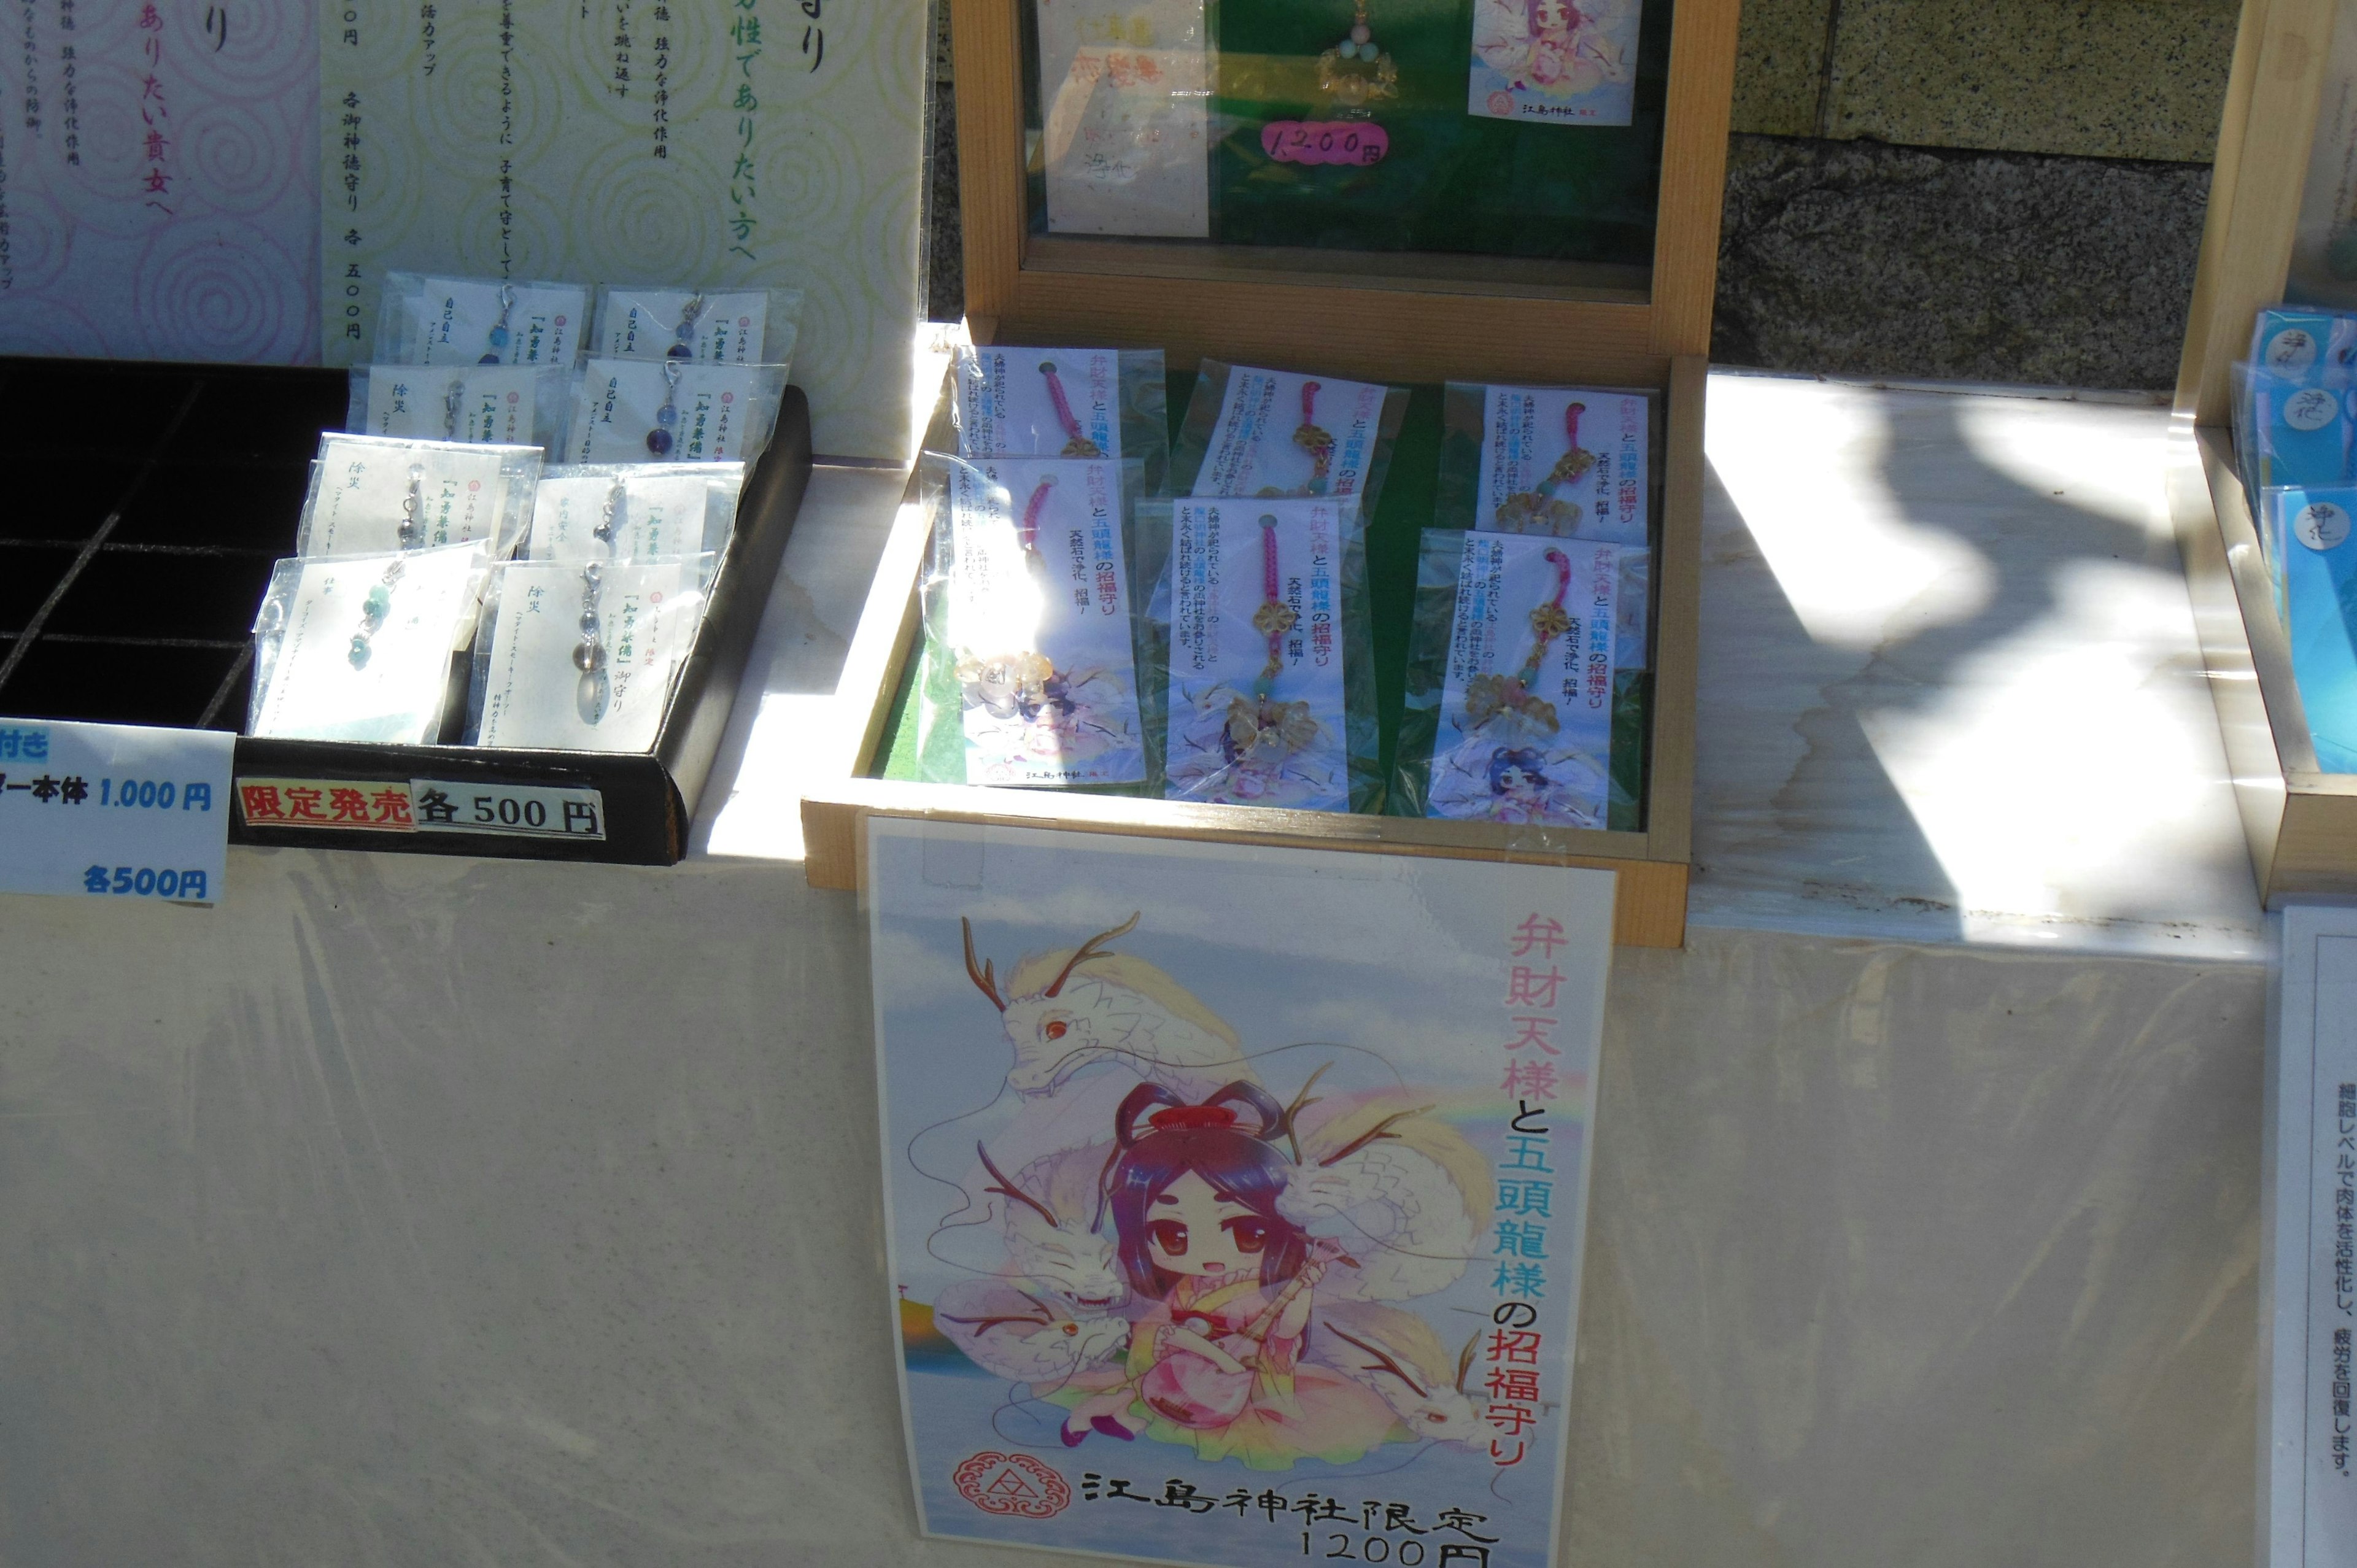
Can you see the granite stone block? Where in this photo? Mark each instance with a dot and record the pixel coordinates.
(1854, 258)
(2125, 78)
(1780, 66)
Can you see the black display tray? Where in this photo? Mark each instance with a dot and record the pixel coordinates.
(154, 499)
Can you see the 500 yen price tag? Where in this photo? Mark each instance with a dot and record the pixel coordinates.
(113, 809)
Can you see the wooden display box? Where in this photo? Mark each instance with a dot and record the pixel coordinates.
(2301, 822)
(1420, 319)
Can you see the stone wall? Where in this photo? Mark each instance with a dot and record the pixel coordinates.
(2006, 190)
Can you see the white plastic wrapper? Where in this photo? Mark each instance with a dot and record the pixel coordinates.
(500, 405)
(1277, 433)
(713, 327)
(360, 648)
(673, 411)
(371, 495)
(634, 512)
(427, 320)
(581, 656)
(1065, 402)
(1261, 617)
(1030, 619)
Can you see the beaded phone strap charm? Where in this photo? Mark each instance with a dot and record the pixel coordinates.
(1076, 443)
(1486, 696)
(496, 340)
(1314, 439)
(595, 689)
(1261, 729)
(1354, 71)
(684, 336)
(1026, 532)
(452, 402)
(1538, 511)
(378, 602)
(660, 439)
(609, 514)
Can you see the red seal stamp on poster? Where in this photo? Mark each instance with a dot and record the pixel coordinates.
(1012, 1483)
(1501, 104)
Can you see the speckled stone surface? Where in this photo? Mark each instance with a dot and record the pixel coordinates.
(2129, 79)
(1858, 259)
(1780, 66)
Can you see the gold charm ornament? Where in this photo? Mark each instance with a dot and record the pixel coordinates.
(1355, 74)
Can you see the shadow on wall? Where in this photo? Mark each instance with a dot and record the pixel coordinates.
(1858, 258)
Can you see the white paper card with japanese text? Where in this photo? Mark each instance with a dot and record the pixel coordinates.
(2307, 1298)
(1526, 704)
(1235, 1195)
(582, 656)
(1256, 695)
(113, 810)
(495, 405)
(1283, 435)
(478, 321)
(1126, 143)
(1559, 460)
(1039, 623)
(1053, 401)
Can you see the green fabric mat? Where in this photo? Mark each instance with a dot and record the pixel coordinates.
(1403, 512)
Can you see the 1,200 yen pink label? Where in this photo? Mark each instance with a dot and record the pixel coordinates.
(1324, 141)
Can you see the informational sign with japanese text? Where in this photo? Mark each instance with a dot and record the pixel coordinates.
(1237, 1196)
(2308, 1317)
(114, 811)
(229, 180)
(702, 143)
(159, 194)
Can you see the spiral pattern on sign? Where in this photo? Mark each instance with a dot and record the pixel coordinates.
(660, 221)
(239, 158)
(215, 289)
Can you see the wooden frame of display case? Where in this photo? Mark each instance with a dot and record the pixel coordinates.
(1461, 320)
(2301, 822)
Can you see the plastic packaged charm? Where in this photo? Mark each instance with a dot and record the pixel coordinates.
(2315, 346)
(429, 320)
(1565, 461)
(505, 405)
(1270, 692)
(2289, 433)
(1064, 402)
(360, 648)
(2318, 574)
(1031, 605)
(1569, 463)
(1509, 701)
(629, 511)
(715, 327)
(677, 411)
(581, 655)
(367, 492)
(1273, 433)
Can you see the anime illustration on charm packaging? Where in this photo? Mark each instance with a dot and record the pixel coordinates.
(1174, 1261)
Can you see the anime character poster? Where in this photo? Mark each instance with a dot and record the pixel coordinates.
(1237, 1196)
(1572, 62)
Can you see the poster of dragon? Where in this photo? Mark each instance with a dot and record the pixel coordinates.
(1236, 1195)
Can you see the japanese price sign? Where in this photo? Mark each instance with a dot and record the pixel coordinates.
(114, 811)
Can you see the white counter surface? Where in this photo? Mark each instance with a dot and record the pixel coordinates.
(404, 1211)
